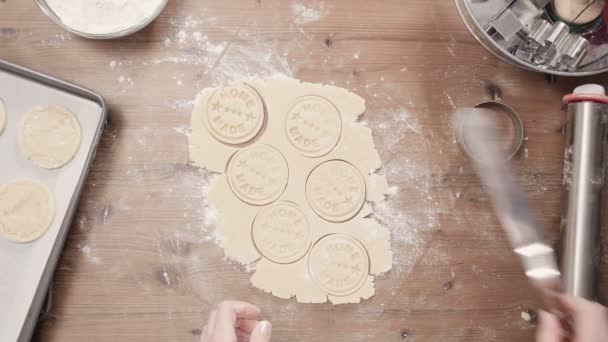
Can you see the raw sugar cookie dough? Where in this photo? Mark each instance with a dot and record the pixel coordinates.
(27, 210)
(296, 178)
(49, 136)
(2, 116)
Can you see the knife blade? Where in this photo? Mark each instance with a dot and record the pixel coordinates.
(521, 226)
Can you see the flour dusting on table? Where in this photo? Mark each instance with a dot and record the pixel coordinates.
(308, 12)
(199, 53)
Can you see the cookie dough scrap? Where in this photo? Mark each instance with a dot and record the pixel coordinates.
(296, 178)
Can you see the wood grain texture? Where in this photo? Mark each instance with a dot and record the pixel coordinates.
(140, 263)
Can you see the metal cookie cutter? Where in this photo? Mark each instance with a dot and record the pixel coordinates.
(499, 106)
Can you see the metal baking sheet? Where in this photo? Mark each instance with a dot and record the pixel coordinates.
(26, 269)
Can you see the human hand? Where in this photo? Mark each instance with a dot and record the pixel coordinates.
(233, 321)
(585, 321)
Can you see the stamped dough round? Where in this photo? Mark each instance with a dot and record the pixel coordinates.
(234, 114)
(2, 117)
(27, 210)
(338, 264)
(313, 126)
(335, 190)
(50, 136)
(258, 175)
(281, 233)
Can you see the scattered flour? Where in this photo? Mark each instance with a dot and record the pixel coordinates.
(126, 82)
(235, 55)
(56, 40)
(393, 190)
(450, 100)
(308, 12)
(451, 45)
(410, 226)
(87, 252)
(186, 43)
(123, 79)
(245, 56)
(181, 105)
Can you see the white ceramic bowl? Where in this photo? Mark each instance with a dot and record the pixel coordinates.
(49, 13)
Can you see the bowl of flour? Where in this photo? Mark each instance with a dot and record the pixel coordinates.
(102, 19)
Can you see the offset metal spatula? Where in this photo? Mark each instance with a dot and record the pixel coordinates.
(509, 201)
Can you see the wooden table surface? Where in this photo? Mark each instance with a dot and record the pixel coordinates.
(141, 262)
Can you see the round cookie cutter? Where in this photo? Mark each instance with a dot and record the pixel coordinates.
(518, 128)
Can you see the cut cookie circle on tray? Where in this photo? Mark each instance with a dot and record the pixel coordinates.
(338, 264)
(234, 114)
(257, 175)
(27, 210)
(335, 190)
(49, 136)
(313, 126)
(281, 232)
(2, 116)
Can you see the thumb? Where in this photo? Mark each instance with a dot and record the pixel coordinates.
(262, 332)
(549, 328)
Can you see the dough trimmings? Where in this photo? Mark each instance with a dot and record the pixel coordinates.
(49, 136)
(338, 264)
(258, 175)
(27, 210)
(234, 114)
(335, 190)
(313, 126)
(281, 232)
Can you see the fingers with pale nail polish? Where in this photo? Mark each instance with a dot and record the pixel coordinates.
(234, 321)
(262, 332)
